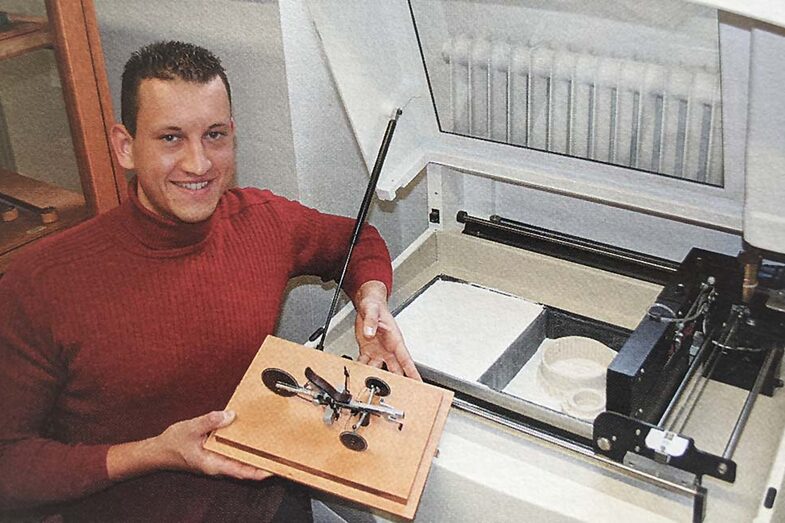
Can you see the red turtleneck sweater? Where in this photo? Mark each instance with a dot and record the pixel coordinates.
(119, 327)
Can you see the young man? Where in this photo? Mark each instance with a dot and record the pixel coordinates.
(120, 336)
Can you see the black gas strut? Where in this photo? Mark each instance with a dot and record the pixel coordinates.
(366, 204)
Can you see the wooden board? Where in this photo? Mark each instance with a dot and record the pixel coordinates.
(36, 193)
(286, 435)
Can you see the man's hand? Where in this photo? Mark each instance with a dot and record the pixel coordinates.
(180, 447)
(378, 336)
(181, 444)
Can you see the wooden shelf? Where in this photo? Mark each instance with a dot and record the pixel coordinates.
(28, 227)
(27, 33)
(70, 29)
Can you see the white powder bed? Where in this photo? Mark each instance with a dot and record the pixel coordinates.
(460, 329)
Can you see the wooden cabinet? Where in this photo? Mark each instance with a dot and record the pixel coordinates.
(41, 208)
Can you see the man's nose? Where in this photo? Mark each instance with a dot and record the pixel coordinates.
(195, 160)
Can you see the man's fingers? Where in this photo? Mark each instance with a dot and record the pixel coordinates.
(243, 471)
(221, 465)
(366, 359)
(387, 346)
(393, 366)
(256, 474)
(407, 363)
(410, 370)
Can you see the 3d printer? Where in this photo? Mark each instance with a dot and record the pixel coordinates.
(544, 154)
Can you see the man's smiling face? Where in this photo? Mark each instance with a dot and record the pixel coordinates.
(183, 151)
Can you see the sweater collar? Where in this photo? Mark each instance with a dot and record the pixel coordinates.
(159, 233)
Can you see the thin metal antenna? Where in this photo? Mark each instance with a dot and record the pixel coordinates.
(361, 216)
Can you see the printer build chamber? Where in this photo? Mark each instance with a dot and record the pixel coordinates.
(543, 297)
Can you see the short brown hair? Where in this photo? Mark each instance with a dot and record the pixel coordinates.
(168, 60)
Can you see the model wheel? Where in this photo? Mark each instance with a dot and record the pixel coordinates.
(353, 441)
(382, 389)
(272, 377)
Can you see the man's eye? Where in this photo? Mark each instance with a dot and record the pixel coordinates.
(169, 138)
(215, 135)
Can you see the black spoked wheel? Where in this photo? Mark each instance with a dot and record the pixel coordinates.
(272, 377)
(382, 389)
(353, 441)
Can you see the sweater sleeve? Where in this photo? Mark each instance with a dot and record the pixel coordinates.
(35, 469)
(319, 243)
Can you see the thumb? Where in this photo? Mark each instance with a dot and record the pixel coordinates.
(370, 320)
(214, 420)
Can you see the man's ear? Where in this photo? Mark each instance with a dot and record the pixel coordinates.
(123, 145)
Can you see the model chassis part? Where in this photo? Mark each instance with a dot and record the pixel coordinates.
(322, 392)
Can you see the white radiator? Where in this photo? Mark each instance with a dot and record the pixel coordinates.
(641, 114)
